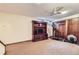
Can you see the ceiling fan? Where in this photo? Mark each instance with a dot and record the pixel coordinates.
(56, 11)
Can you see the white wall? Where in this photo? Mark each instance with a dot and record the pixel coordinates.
(15, 28)
(2, 49)
(49, 30)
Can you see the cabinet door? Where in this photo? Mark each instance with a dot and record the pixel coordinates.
(62, 30)
(73, 27)
(78, 30)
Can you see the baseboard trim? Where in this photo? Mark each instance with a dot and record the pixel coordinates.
(19, 42)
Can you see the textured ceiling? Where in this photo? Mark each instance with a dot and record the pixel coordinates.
(38, 10)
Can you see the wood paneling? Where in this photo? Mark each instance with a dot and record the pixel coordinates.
(73, 27)
(68, 27)
(61, 28)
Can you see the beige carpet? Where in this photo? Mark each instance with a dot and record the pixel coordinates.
(45, 47)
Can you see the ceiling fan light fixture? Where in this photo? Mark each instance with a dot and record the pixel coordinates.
(65, 12)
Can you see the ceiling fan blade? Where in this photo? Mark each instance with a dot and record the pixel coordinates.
(52, 12)
(59, 8)
(55, 11)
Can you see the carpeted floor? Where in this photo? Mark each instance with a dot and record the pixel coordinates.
(45, 47)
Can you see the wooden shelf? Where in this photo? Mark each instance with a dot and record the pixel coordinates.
(39, 31)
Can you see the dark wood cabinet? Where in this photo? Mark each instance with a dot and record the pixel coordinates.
(39, 31)
(73, 27)
(60, 28)
(67, 27)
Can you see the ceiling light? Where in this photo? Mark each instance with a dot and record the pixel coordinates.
(64, 12)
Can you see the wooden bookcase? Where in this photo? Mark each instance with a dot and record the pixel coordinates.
(39, 31)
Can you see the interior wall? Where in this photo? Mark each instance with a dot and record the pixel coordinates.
(15, 28)
(49, 30)
(2, 49)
